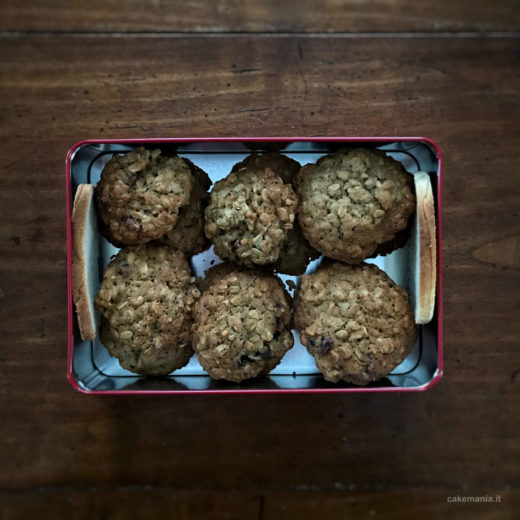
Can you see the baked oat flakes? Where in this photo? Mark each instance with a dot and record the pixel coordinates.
(296, 252)
(281, 165)
(242, 325)
(188, 233)
(355, 321)
(140, 194)
(249, 215)
(146, 301)
(352, 202)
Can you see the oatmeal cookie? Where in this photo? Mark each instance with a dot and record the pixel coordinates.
(280, 165)
(400, 239)
(249, 215)
(296, 253)
(146, 301)
(219, 271)
(188, 233)
(353, 201)
(140, 194)
(242, 326)
(355, 321)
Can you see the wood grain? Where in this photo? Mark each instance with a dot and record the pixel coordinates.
(413, 504)
(149, 503)
(124, 503)
(267, 16)
(462, 436)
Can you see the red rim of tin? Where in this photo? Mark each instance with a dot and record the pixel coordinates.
(70, 308)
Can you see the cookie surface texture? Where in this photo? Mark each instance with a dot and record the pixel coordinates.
(281, 165)
(296, 252)
(356, 323)
(249, 215)
(187, 235)
(140, 195)
(242, 326)
(353, 201)
(146, 302)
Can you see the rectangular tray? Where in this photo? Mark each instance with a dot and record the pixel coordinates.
(92, 370)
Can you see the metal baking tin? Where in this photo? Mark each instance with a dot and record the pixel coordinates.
(92, 370)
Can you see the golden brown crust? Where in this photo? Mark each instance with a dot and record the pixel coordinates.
(86, 320)
(427, 249)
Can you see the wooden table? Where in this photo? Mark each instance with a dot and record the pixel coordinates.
(446, 70)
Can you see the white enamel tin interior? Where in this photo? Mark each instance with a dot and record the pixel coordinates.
(95, 369)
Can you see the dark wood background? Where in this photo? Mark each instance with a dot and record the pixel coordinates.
(449, 70)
